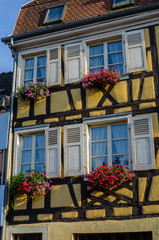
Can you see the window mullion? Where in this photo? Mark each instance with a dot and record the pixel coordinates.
(109, 146)
(33, 152)
(35, 70)
(105, 55)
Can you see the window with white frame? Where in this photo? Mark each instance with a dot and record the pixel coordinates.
(126, 54)
(109, 145)
(38, 149)
(35, 69)
(106, 55)
(121, 3)
(33, 152)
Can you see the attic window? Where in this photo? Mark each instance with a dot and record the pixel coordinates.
(55, 14)
(122, 3)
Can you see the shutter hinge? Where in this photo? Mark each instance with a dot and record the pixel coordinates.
(84, 133)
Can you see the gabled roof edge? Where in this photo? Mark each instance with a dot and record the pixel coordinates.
(82, 22)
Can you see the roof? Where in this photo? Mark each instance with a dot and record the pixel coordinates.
(32, 15)
(6, 83)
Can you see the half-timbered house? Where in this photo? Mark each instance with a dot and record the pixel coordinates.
(59, 41)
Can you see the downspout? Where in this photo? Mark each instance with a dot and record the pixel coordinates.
(8, 161)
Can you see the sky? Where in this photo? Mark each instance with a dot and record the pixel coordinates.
(9, 10)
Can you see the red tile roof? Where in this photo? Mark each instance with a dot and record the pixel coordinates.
(32, 14)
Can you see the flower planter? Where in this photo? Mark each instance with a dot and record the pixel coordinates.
(105, 177)
(33, 91)
(102, 79)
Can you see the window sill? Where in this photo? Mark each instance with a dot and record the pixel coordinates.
(124, 77)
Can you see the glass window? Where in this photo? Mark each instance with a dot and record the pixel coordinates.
(54, 14)
(122, 3)
(33, 153)
(35, 69)
(106, 55)
(114, 137)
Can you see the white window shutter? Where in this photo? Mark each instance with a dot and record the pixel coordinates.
(142, 143)
(53, 152)
(54, 66)
(17, 154)
(135, 51)
(73, 150)
(86, 153)
(73, 62)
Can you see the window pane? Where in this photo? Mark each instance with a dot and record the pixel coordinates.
(121, 160)
(28, 74)
(99, 160)
(25, 167)
(55, 14)
(99, 133)
(93, 237)
(118, 67)
(115, 58)
(41, 72)
(27, 142)
(40, 141)
(119, 146)
(40, 155)
(26, 156)
(32, 236)
(39, 167)
(29, 63)
(41, 61)
(119, 131)
(121, 237)
(96, 50)
(96, 61)
(99, 149)
(115, 46)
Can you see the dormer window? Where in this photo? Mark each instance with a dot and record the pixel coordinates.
(122, 3)
(55, 14)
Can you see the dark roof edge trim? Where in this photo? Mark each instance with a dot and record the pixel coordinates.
(87, 21)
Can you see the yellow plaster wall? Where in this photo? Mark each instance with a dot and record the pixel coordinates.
(92, 99)
(149, 61)
(29, 123)
(97, 113)
(20, 203)
(120, 110)
(154, 190)
(73, 117)
(21, 218)
(38, 202)
(155, 125)
(147, 37)
(66, 230)
(141, 188)
(147, 105)
(40, 107)
(96, 213)
(135, 88)
(119, 92)
(151, 209)
(49, 120)
(148, 91)
(76, 95)
(77, 191)
(122, 211)
(60, 196)
(59, 102)
(70, 215)
(157, 37)
(126, 192)
(23, 109)
(44, 217)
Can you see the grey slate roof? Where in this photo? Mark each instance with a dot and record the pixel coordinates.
(6, 83)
